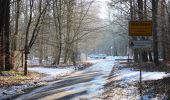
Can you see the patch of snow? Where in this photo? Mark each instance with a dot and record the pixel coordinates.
(52, 73)
(8, 92)
(131, 76)
(102, 65)
(93, 61)
(110, 57)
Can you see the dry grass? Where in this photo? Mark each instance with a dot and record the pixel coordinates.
(8, 78)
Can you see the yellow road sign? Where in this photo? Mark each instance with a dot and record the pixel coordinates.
(140, 28)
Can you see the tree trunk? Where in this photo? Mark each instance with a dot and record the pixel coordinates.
(140, 9)
(60, 34)
(25, 65)
(155, 32)
(74, 58)
(7, 35)
(5, 63)
(26, 48)
(14, 44)
(145, 10)
(2, 35)
(144, 56)
(131, 9)
(74, 54)
(132, 14)
(163, 32)
(57, 17)
(141, 18)
(150, 57)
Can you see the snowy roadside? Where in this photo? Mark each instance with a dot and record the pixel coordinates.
(132, 76)
(123, 84)
(51, 74)
(54, 73)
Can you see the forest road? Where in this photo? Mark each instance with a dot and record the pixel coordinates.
(86, 84)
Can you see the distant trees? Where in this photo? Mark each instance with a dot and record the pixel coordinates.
(118, 16)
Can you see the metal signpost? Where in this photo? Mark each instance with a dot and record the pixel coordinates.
(140, 29)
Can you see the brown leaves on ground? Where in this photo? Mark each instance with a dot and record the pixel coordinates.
(8, 78)
(156, 88)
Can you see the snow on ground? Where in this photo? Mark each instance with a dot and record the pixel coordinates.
(131, 76)
(94, 61)
(123, 75)
(122, 83)
(52, 73)
(124, 89)
(6, 93)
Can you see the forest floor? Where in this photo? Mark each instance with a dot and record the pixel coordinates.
(10, 78)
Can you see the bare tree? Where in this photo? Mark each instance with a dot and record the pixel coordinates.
(163, 30)
(58, 16)
(36, 28)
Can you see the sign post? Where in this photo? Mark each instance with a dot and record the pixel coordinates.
(140, 29)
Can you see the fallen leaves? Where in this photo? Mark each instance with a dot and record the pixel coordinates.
(8, 78)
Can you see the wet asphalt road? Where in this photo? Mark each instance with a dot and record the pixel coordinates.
(86, 84)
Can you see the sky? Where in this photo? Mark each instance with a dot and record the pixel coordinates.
(103, 8)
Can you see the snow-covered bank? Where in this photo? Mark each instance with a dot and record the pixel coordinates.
(123, 84)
